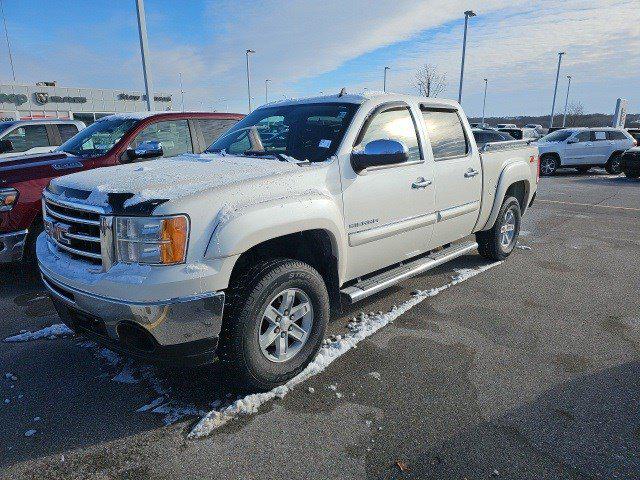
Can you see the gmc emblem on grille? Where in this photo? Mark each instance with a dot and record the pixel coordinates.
(58, 231)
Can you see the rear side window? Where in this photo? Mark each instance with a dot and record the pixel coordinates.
(213, 128)
(67, 130)
(28, 137)
(616, 135)
(598, 135)
(448, 139)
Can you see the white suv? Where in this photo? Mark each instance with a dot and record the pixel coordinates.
(583, 148)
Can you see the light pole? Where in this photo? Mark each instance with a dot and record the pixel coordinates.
(6, 35)
(266, 90)
(467, 15)
(384, 88)
(555, 89)
(484, 102)
(248, 52)
(566, 102)
(144, 52)
(181, 90)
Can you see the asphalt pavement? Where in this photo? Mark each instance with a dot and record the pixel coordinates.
(527, 370)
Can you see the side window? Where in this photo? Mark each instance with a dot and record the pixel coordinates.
(616, 135)
(27, 137)
(598, 135)
(583, 137)
(67, 130)
(174, 136)
(448, 139)
(393, 124)
(213, 128)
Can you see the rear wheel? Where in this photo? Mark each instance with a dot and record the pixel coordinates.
(498, 242)
(548, 165)
(274, 324)
(613, 166)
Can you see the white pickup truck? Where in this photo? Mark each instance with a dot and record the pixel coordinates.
(241, 253)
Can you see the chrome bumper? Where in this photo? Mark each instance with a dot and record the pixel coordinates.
(168, 324)
(12, 246)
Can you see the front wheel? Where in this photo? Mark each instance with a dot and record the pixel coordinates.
(614, 165)
(548, 165)
(498, 242)
(274, 324)
(632, 174)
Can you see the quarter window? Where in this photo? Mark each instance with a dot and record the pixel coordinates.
(174, 136)
(448, 139)
(394, 124)
(616, 135)
(28, 137)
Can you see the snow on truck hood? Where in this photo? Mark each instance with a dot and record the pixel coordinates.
(172, 178)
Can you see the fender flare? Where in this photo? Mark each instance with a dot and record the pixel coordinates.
(512, 173)
(239, 228)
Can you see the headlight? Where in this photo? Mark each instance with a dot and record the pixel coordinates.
(8, 198)
(151, 240)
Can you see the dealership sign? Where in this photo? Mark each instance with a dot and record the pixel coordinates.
(135, 97)
(42, 98)
(620, 115)
(16, 99)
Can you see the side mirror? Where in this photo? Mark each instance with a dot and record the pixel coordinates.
(6, 146)
(379, 153)
(146, 150)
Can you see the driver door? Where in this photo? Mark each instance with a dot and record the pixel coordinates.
(578, 153)
(388, 210)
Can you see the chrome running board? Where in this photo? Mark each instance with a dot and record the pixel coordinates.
(377, 283)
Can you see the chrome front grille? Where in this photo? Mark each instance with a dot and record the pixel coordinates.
(73, 228)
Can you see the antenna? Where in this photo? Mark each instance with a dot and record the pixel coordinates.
(343, 92)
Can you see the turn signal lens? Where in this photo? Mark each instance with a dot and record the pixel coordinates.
(174, 233)
(8, 198)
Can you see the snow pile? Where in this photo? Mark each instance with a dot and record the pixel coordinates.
(361, 328)
(523, 247)
(51, 332)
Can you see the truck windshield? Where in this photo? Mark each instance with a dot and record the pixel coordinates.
(98, 138)
(310, 132)
(557, 136)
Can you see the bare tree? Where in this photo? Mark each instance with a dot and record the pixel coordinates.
(429, 81)
(575, 110)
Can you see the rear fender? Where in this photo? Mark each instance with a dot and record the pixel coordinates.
(512, 173)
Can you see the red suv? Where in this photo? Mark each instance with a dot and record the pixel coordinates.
(121, 138)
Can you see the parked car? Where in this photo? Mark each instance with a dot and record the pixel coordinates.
(506, 125)
(242, 252)
(635, 133)
(482, 137)
(521, 133)
(22, 137)
(630, 162)
(538, 128)
(583, 148)
(112, 140)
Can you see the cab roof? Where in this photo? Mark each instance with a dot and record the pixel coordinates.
(360, 98)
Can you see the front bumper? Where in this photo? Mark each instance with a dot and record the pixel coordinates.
(12, 246)
(180, 331)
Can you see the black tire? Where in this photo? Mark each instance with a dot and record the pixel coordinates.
(239, 350)
(613, 166)
(583, 170)
(29, 256)
(490, 241)
(632, 174)
(548, 165)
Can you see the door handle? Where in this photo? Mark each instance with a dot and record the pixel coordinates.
(421, 183)
(471, 173)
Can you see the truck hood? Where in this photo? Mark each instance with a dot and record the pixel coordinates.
(140, 188)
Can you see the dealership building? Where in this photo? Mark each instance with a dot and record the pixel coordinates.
(48, 100)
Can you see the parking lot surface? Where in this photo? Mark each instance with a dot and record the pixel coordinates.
(529, 369)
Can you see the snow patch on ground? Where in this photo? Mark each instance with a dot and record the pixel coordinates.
(523, 247)
(51, 332)
(361, 328)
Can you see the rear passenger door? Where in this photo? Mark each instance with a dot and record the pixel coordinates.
(457, 175)
(174, 135)
(602, 147)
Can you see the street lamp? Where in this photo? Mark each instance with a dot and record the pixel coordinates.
(467, 15)
(566, 102)
(6, 35)
(249, 51)
(484, 102)
(384, 88)
(555, 89)
(144, 52)
(266, 90)
(181, 90)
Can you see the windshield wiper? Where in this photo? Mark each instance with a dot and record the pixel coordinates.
(260, 153)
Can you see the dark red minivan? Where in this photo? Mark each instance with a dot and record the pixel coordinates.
(112, 140)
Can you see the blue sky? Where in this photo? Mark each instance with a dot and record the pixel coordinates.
(306, 47)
